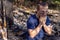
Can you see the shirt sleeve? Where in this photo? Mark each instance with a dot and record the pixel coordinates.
(30, 24)
(48, 22)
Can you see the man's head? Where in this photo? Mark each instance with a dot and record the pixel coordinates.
(42, 9)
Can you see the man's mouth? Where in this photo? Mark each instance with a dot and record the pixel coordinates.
(43, 14)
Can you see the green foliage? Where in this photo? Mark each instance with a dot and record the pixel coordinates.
(56, 2)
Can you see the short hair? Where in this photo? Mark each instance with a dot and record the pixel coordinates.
(42, 3)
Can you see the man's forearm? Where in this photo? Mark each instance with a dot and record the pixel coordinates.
(35, 31)
(48, 29)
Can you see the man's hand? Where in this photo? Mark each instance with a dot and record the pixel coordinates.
(48, 28)
(42, 20)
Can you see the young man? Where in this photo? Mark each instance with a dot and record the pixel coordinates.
(39, 23)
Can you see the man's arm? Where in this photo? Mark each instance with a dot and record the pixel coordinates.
(48, 29)
(34, 32)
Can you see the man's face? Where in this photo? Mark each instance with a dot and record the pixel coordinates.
(43, 10)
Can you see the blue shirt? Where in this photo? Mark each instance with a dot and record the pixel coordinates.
(32, 23)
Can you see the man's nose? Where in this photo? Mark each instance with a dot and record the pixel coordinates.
(42, 12)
